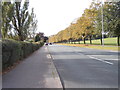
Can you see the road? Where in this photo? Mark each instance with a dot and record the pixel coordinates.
(57, 66)
(85, 68)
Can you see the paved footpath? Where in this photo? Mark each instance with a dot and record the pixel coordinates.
(36, 71)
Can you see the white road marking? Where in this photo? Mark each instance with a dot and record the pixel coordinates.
(77, 50)
(49, 56)
(114, 51)
(53, 58)
(45, 48)
(112, 59)
(79, 53)
(100, 60)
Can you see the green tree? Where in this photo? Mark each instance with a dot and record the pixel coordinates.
(37, 38)
(7, 14)
(33, 25)
(112, 21)
(116, 21)
(21, 19)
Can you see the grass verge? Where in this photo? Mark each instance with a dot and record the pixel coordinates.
(107, 41)
(105, 47)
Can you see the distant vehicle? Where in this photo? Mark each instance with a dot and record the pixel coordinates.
(50, 43)
(46, 43)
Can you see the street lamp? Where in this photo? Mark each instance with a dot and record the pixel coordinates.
(102, 24)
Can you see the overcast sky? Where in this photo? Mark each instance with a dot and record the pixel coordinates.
(55, 15)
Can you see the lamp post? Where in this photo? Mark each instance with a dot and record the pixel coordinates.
(102, 25)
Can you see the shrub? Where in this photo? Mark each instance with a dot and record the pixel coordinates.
(12, 51)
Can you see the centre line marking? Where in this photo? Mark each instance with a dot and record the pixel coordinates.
(100, 60)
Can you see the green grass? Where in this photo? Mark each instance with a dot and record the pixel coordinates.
(107, 41)
(105, 47)
(109, 44)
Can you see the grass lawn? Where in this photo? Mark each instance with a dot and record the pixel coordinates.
(114, 48)
(107, 41)
(109, 44)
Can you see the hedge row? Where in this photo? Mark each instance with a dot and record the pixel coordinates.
(13, 51)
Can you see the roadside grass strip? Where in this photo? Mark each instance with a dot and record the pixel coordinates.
(107, 41)
(105, 47)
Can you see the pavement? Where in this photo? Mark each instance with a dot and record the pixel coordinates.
(85, 68)
(36, 71)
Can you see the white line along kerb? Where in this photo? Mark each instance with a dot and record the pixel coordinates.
(45, 48)
(49, 56)
(100, 60)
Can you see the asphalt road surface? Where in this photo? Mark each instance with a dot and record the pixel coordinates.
(77, 68)
(85, 68)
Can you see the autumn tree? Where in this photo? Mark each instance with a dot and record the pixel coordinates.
(90, 23)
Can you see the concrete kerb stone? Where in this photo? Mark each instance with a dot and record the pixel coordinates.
(57, 82)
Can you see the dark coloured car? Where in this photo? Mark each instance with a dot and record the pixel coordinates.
(50, 43)
(46, 43)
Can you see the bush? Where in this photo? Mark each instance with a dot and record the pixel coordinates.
(13, 51)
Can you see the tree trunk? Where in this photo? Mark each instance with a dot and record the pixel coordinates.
(69, 41)
(101, 39)
(118, 41)
(90, 39)
(20, 36)
(0, 34)
(84, 41)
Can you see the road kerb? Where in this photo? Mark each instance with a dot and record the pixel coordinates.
(55, 74)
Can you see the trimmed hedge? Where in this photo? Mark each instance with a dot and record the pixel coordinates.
(13, 51)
